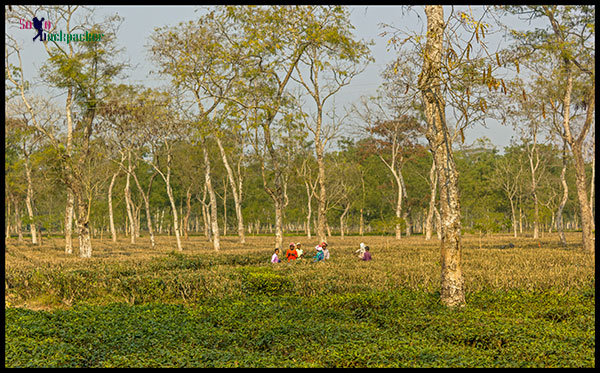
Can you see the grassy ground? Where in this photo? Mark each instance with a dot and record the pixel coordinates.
(531, 305)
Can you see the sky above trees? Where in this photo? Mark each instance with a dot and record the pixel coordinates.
(139, 22)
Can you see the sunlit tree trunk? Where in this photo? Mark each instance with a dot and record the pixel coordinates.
(430, 211)
(18, 223)
(574, 140)
(173, 209)
(213, 201)
(85, 242)
(70, 197)
(322, 200)
(188, 208)
(565, 197)
(146, 198)
(7, 217)
(534, 162)
(167, 179)
(452, 283)
(576, 149)
(342, 219)
(111, 218)
(278, 225)
(236, 188)
(309, 208)
(592, 191)
(205, 214)
(128, 202)
(405, 213)
(29, 202)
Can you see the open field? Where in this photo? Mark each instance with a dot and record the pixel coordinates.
(531, 305)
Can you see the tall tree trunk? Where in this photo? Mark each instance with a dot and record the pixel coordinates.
(70, 205)
(514, 217)
(361, 224)
(75, 180)
(565, 197)
(278, 225)
(162, 217)
(536, 216)
(138, 219)
(29, 203)
(18, 223)
(85, 242)
(146, 198)
(592, 191)
(128, 202)
(398, 228)
(577, 151)
(188, 208)
(430, 211)
(173, 209)
(167, 180)
(225, 209)
(111, 218)
(213, 200)
(520, 216)
(7, 218)
(532, 152)
(70, 197)
(405, 214)
(322, 200)
(575, 141)
(279, 193)
(205, 213)
(236, 188)
(584, 207)
(309, 194)
(342, 220)
(452, 283)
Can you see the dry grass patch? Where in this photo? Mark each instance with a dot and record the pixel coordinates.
(44, 275)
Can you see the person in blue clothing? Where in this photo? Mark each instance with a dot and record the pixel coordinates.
(319, 256)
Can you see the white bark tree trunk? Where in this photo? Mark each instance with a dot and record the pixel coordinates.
(146, 198)
(236, 188)
(111, 218)
(128, 202)
(213, 202)
(452, 283)
(29, 203)
(430, 211)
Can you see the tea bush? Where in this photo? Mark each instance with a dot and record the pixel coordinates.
(528, 306)
(377, 329)
(264, 280)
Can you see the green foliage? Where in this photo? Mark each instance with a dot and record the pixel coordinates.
(263, 280)
(403, 328)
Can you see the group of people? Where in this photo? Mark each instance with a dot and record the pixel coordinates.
(295, 252)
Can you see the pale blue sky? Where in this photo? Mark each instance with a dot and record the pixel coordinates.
(140, 21)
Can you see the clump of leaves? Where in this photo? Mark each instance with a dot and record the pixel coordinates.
(263, 280)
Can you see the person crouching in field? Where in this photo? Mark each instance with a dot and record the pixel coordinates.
(275, 257)
(366, 255)
(291, 253)
(325, 250)
(361, 250)
(319, 256)
(299, 250)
